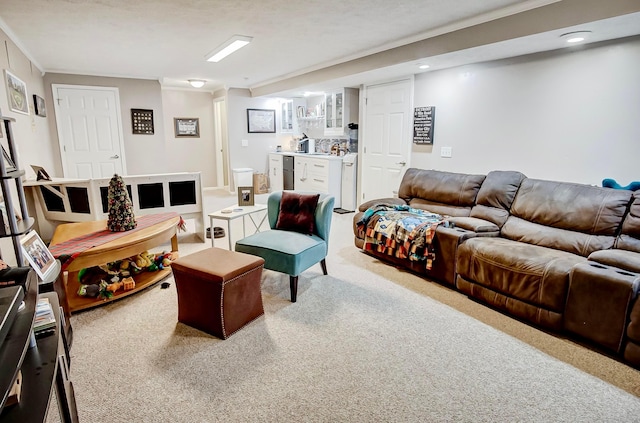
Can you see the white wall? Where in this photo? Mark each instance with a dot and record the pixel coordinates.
(190, 154)
(568, 115)
(144, 154)
(255, 155)
(31, 132)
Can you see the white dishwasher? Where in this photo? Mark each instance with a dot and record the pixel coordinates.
(349, 179)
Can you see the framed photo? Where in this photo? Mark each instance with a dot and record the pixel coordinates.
(17, 92)
(142, 121)
(187, 127)
(9, 165)
(245, 196)
(37, 253)
(39, 107)
(41, 174)
(261, 121)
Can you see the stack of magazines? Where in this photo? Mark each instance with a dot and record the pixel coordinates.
(45, 321)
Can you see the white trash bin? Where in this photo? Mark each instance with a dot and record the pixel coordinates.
(243, 177)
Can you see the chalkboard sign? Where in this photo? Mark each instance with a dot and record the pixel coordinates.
(423, 118)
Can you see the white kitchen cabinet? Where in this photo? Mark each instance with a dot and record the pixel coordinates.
(286, 116)
(290, 111)
(341, 108)
(319, 174)
(275, 172)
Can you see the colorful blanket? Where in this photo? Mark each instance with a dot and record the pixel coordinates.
(400, 231)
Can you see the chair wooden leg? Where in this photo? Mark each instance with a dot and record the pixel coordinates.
(293, 283)
(323, 263)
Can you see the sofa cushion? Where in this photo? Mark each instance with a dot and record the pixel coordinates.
(496, 196)
(574, 207)
(572, 217)
(530, 273)
(454, 191)
(297, 212)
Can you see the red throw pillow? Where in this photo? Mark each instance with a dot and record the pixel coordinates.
(297, 212)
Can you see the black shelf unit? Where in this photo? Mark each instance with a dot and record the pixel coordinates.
(44, 363)
(17, 228)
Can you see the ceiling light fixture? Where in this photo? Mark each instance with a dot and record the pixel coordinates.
(232, 44)
(575, 37)
(197, 83)
(423, 67)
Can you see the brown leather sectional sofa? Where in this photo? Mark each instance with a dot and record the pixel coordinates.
(560, 255)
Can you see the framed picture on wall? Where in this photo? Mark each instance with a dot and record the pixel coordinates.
(17, 93)
(39, 107)
(261, 121)
(187, 127)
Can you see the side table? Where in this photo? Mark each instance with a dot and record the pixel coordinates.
(234, 212)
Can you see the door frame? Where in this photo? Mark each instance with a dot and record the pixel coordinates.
(61, 147)
(362, 131)
(221, 141)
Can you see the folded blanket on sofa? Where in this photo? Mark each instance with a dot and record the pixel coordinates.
(401, 231)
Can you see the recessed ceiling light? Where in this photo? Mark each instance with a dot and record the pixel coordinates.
(197, 83)
(575, 37)
(423, 67)
(232, 44)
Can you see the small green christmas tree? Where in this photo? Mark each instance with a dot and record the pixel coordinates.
(121, 216)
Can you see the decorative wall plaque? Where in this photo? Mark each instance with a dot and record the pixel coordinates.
(423, 118)
(142, 121)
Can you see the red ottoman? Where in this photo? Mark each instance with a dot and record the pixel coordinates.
(218, 290)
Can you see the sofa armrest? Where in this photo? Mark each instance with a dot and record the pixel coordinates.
(391, 201)
(622, 259)
(599, 300)
(474, 224)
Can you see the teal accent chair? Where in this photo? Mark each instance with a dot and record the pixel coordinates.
(291, 252)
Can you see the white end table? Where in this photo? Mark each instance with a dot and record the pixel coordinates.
(234, 212)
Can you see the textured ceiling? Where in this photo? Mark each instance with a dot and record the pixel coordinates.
(168, 40)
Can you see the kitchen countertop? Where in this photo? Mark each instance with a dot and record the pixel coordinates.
(314, 155)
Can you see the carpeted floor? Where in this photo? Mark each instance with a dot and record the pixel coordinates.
(368, 343)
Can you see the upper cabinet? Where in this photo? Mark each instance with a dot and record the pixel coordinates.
(286, 116)
(341, 109)
(289, 113)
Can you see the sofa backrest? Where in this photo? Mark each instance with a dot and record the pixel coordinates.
(629, 238)
(446, 193)
(496, 196)
(566, 216)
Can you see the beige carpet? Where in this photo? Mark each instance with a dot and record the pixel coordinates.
(366, 343)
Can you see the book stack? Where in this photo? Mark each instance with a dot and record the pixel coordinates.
(45, 321)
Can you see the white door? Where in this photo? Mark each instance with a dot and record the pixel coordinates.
(386, 138)
(89, 131)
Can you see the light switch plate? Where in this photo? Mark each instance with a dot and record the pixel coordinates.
(245, 143)
(445, 151)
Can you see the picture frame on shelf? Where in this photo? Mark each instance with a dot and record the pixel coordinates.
(37, 254)
(9, 165)
(245, 196)
(261, 121)
(17, 93)
(187, 127)
(39, 106)
(41, 174)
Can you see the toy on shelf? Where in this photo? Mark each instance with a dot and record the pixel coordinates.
(105, 280)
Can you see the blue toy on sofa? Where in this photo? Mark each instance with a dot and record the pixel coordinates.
(610, 183)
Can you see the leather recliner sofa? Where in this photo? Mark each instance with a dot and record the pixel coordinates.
(560, 255)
